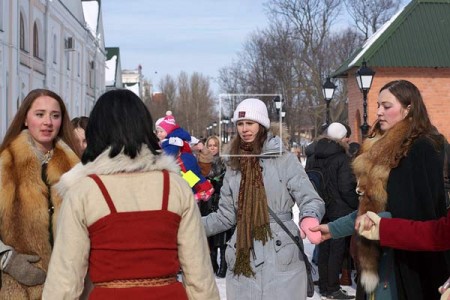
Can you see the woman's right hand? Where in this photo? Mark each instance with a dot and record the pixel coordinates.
(324, 230)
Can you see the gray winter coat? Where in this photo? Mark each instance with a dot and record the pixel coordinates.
(279, 268)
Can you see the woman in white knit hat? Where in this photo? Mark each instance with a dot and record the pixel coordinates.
(332, 159)
(264, 262)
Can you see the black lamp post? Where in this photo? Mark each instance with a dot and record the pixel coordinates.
(214, 124)
(364, 78)
(328, 89)
(279, 105)
(224, 124)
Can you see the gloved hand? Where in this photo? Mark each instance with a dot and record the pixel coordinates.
(305, 225)
(20, 267)
(374, 232)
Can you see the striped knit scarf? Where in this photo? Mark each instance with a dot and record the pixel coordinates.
(253, 215)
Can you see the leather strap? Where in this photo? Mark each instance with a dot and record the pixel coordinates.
(296, 241)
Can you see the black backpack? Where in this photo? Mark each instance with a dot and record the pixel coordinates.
(320, 181)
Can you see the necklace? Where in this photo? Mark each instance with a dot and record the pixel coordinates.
(47, 156)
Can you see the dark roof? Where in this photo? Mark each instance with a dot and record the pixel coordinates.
(417, 36)
(111, 51)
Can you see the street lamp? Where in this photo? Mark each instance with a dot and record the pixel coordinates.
(278, 105)
(328, 89)
(224, 126)
(364, 78)
(214, 124)
(209, 129)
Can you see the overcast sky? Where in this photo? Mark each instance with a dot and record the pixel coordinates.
(170, 36)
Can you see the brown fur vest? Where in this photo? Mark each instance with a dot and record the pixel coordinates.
(378, 156)
(24, 215)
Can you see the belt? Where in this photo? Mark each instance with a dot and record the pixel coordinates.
(129, 283)
(283, 217)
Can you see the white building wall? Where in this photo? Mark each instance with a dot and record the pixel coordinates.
(65, 71)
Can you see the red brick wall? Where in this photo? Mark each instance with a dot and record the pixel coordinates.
(434, 85)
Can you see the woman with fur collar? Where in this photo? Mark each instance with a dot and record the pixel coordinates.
(127, 215)
(37, 149)
(399, 170)
(263, 261)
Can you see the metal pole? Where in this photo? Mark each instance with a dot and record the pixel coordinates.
(327, 120)
(364, 127)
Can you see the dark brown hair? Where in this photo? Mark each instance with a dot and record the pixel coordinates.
(409, 95)
(80, 122)
(18, 123)
(258, 143)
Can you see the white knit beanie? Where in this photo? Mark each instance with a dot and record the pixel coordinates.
(254, 110)
(336, 131)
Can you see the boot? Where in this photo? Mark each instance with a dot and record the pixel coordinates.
(223, 264)
(346, 278)
(213, 255)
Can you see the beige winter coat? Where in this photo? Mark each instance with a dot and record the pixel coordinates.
(134, 185)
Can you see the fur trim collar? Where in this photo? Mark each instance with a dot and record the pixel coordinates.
(145, 161)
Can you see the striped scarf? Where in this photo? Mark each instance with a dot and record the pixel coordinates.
(253, 215)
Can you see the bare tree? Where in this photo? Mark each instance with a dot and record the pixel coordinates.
(162, 101)
(202, 104)
(369, 15)
(183, 100)
(168, 87)
(310, 21)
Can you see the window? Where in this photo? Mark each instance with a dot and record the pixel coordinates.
(78, 64)
(55, 49)
(91, 78)
(22, 33)
(35, 41)
(67, 54)
(1, 15)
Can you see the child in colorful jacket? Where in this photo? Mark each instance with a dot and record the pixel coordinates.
(175, 141)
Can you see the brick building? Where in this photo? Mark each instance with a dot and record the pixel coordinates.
(414, 46)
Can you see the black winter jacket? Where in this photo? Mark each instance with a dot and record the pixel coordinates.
(332, 158)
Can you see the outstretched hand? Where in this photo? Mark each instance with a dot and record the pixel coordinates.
(324, 231)
(368, 225)
(305, 230)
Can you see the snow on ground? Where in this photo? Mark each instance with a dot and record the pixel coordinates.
(309, 248)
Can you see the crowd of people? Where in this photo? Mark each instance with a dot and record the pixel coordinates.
(116, 206)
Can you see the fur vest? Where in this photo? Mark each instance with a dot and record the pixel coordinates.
(372, 167)
(24, 206)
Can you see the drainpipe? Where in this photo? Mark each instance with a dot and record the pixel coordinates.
(46, 64)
